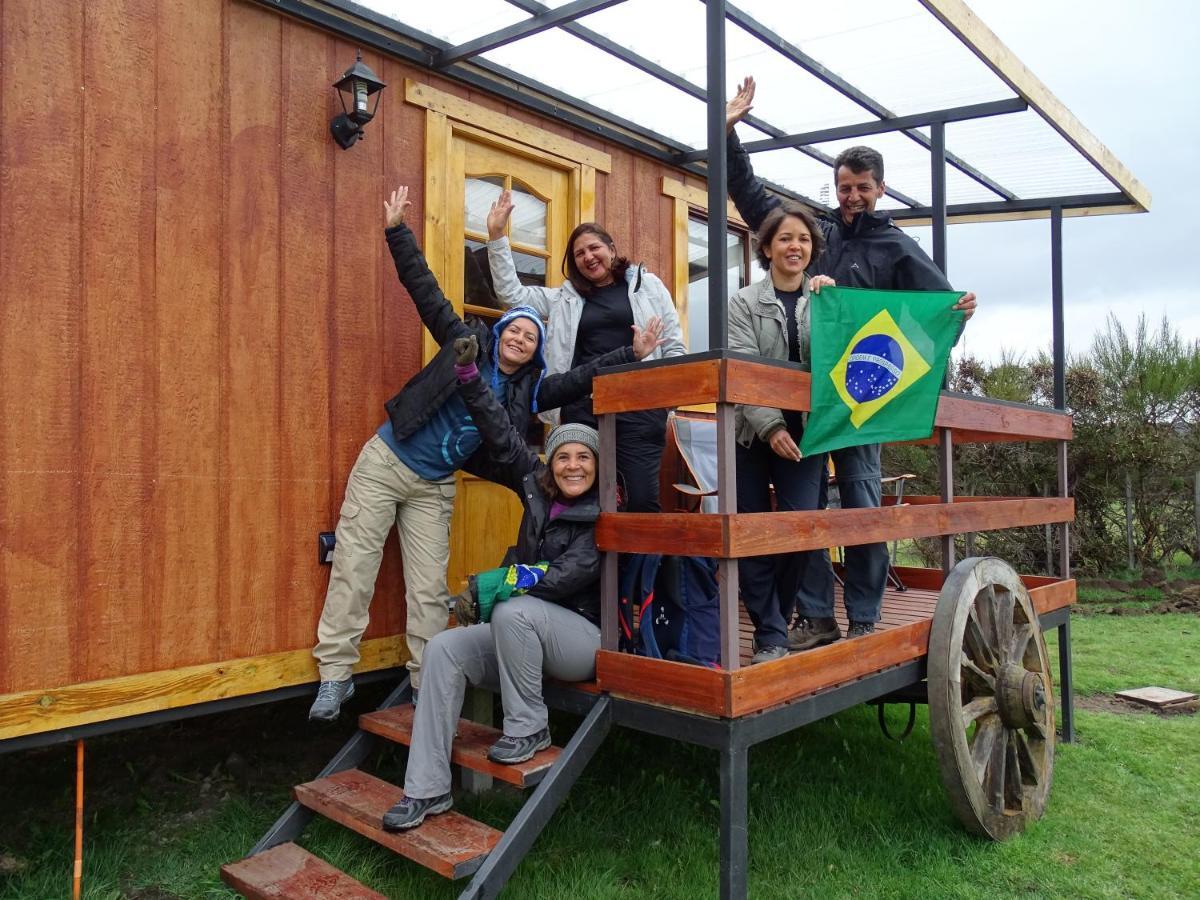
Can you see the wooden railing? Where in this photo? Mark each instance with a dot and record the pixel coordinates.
(727, 378)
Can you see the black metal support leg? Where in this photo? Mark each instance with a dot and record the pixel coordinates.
(735, 844)
(296, 817)
(551, 791)
(1065, 691)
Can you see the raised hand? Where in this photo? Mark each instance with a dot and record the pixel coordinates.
(396, 208)
(740, 104)
(466, 349)
(647, 340)
(497, 216)
(967, 304)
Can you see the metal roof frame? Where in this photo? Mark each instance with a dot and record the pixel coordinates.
(464, 63)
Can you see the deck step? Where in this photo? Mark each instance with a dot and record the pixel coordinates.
(471, 743)
(290, 871)
(450, 844)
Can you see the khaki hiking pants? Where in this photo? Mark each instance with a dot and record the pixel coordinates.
(382, 492)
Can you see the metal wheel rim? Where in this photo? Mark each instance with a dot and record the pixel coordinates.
(991, 703)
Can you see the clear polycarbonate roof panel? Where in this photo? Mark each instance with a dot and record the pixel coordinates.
(577, 68)
(456, 22)
(1042, 164)
(895, 52)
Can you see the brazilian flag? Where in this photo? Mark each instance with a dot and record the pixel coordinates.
(878, 362)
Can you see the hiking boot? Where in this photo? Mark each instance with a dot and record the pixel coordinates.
(810, 633)
(768, 654)
(330, 697)
(411, 811)
(858, 629)
(509, 751)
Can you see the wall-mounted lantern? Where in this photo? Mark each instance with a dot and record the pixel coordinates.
(354, 88)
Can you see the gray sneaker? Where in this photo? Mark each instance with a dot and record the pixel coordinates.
(330, 697)
(411, 811)
(768, 654)
(810, 633)
(508, 751)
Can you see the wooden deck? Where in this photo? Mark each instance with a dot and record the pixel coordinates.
(902, 636)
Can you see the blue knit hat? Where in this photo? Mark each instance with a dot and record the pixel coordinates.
(539, 357)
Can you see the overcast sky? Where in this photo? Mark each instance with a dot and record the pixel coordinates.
(1128, 72)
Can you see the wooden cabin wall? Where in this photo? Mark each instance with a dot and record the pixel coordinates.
(199, 324)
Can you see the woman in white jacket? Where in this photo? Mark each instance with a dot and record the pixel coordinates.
(592, 312)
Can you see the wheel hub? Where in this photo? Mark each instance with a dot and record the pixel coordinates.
(1020, 696)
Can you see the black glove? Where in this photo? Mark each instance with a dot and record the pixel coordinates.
(466, 607)
(466, 350)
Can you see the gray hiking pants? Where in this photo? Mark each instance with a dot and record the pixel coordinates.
(526, 638)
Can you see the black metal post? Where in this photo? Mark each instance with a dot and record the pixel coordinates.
(735, 837)
(1060, 402)
(937, 184)
(718, 331)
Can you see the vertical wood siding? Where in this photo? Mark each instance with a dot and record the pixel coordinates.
(199, 324)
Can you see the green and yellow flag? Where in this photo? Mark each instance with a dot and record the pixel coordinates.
(878, 362)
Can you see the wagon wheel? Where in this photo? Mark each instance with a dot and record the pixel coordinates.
(991, 706)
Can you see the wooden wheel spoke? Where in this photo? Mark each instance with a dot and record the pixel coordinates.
(1002, 615)
(977, 708)
(979, 681)
(995, 766)
(1014, 790)
(1020, 641)
(975, 642)
(1036, 730)
(987, 734)
(1031, 772)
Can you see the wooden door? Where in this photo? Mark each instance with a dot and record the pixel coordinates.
(486, 516)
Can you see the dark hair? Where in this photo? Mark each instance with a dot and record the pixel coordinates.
(770, 225)
(571, 270)
(860, 159)
(545, 480)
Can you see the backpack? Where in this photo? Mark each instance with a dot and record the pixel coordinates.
(669, 609)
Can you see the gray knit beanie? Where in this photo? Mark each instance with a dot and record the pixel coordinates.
(573, 433)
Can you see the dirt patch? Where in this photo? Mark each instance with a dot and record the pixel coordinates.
(1110, 704)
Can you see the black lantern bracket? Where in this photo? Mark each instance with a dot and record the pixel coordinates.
(355, 88)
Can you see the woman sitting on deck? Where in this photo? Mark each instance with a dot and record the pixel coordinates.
(552, 628)
(589, 315)
(771, 318)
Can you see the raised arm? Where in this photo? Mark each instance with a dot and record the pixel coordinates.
(435, 310)
(752, 200)
(509, 288)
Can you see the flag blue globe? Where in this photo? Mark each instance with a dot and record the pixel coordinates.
(875, 366)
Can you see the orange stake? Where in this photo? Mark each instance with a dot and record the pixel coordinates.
(78, 886)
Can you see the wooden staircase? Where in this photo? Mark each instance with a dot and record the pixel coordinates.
(449, 844)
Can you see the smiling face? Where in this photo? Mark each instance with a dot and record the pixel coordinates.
(790, 249)
(517, 344)
(858, 192)
(594, 258)
(574, 469)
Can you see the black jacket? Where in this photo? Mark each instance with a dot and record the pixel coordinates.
(568, 542)
(870, 252)
(426, 391)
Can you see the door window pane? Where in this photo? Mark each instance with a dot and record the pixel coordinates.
(737, 276)
(528, 218)
(477, 276)
(480, 194)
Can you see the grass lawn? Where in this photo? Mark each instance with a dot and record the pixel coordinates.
(836, 809)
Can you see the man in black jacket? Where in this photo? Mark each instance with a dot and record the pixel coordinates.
(404, 475)
(865, 249)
